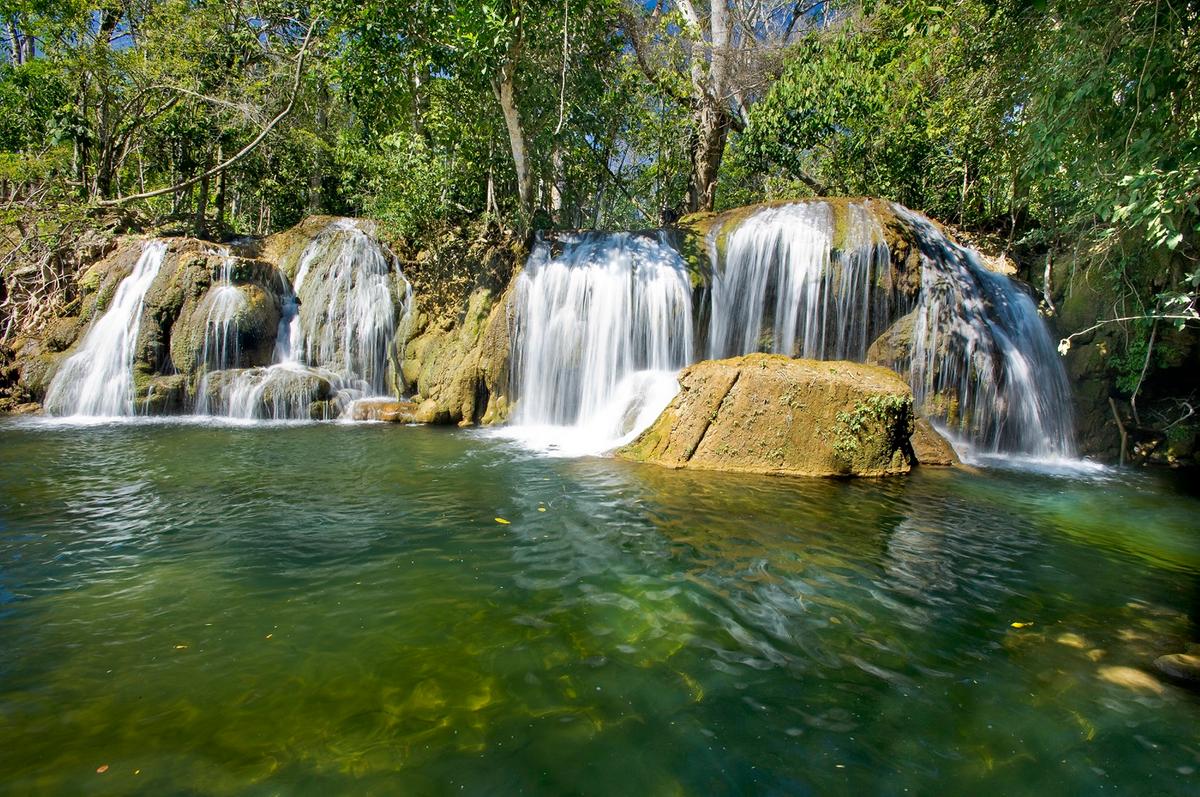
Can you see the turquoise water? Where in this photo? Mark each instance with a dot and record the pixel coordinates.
(334, 609)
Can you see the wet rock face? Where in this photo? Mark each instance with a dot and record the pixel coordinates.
(929, 447)
(247, 333)
(766, 413)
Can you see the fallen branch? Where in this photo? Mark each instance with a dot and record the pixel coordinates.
(244, 151)
(1064, 345)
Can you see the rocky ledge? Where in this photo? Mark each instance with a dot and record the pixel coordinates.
(767, 413)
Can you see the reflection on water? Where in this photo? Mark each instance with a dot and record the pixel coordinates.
(333, 609)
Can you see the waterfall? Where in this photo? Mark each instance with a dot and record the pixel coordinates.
(97, 380)
(335, 331)
(982, 359)
(220, 348)
(601, 327)
(783, 286)
(603, 319)
(796, 280)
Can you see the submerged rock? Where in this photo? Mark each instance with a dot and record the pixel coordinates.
(1181, 667)
(765, 413)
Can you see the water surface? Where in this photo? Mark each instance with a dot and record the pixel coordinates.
(327, 608)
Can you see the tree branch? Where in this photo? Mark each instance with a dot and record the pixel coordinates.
(244, 151)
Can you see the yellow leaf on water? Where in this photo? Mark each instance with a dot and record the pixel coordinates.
(100, 770)
(270, 635)
(181, 647)
(1021, 625)
(541, 509)
(503, 522)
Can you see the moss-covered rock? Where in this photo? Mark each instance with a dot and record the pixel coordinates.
(765, 413)
(163, 395)
(459, 365)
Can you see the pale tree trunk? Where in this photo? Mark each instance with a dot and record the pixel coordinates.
(505, 89)
(15, 44)
(708, 147)
(710, 113)
(557, 181)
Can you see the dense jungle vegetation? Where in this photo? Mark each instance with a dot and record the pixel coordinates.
(1059, 131)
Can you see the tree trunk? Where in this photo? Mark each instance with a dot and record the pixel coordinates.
(316, 178)
(710, 114)
(505, 90)
(202, 207)
(15, 44)
(220, 222)
(708, 147)
(557, 182)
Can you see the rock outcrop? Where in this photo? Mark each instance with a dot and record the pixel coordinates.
(457, 365)
(765, 413)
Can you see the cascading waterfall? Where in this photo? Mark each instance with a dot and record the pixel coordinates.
(220, 348)
(335, 330)
(812, 279)
(785, 285)
(601, 328)
(97, 380)
(982, 359)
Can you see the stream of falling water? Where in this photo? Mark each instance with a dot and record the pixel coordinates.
(97, 380)
(220, 348)
(335, 330)
(603, 324)
(982, 360)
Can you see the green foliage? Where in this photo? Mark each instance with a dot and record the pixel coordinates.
(874, 416)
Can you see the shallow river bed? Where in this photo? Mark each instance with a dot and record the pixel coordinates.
(331, 608)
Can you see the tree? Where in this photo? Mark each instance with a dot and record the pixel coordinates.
(729, 50)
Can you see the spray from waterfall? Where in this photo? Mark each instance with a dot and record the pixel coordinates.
(97, 380)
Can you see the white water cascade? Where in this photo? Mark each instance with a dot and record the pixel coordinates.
(335, 331)
(982, 359)
(786, 286)
(603, 323)
(220, 348)
(979, 358)
(97, 380)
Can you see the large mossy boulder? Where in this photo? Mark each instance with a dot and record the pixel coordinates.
(767, 413)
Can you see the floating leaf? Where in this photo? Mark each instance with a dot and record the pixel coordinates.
(1021, 625)
(100, 770)
(503, 522)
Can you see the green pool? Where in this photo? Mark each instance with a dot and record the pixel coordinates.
(335, 609)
